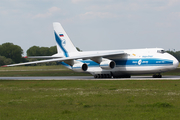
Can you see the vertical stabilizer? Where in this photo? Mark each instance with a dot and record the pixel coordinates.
(64, 44)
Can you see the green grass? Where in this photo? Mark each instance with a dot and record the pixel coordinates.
(32, 68)
(55, 70)
(41, 73)
(173, 72)
(90, 100)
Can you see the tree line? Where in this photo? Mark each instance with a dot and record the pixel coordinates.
(176, 54)
(10, 53)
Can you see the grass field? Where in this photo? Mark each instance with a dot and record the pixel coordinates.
(90, 100)
(86, 100)
(55, 70)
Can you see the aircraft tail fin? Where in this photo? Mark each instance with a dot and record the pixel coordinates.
(63, 42)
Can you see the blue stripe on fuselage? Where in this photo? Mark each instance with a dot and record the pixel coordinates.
(144, 62)
(132, 62)
(135, 62)
(59, 42)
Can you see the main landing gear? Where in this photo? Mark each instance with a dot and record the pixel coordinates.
(157, 76)
(102, 76)
(110, 76)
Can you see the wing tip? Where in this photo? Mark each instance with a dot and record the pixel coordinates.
(4, 66)
(25, 57)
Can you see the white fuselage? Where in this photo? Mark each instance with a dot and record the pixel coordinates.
(135, 61)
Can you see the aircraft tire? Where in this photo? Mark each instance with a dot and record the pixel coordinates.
(157, 76)
(128, 76)
(102, 76)
(98, 76)
(109, 76)
(95, 76)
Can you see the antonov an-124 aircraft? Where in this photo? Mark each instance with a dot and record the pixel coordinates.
(109, 63)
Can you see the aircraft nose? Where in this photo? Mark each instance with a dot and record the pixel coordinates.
(175, 63)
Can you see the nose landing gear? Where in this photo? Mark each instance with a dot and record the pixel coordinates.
(157, 76)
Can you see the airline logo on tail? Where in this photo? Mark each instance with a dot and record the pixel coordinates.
(61, 43)
(64, 42)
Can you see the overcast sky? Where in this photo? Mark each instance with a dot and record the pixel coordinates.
(92, 24)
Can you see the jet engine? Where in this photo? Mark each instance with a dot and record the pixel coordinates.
(107, 64)
(80, 67)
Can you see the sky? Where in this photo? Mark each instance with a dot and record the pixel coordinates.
(92, 24)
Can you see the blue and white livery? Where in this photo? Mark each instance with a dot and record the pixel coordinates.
(110, 63)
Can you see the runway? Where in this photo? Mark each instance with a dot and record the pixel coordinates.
(89, 78)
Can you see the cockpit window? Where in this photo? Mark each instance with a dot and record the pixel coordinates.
(161, 51)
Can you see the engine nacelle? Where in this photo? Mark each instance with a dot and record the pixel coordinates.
(107, 64)
(80, 67)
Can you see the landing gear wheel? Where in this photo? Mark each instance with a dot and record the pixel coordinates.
(157, 76)
(128, 76)
(98, 76)
(95, 76)
(109, 76)
(105, 75)
(154, 76)
(101, 76)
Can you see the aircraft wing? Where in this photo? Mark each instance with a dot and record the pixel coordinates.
(45, 57)
(90, 56)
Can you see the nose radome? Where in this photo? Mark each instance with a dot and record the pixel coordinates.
(175, 63)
